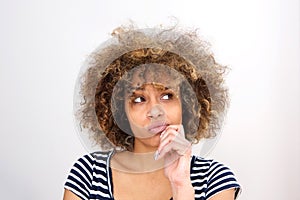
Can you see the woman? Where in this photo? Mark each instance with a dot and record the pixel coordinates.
(148, 97)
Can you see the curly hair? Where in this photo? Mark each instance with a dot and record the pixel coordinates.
(180, 50)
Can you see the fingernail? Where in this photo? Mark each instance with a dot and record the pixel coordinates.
(156, 154)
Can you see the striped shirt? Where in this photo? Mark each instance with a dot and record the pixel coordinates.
(91, 177)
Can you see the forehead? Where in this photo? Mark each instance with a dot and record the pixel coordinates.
(152, 86)
(156, 74)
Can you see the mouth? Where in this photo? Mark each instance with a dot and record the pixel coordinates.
(157, 127)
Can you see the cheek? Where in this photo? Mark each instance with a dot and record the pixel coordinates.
(178, 116)
(174, 113)
(137, 123)
(135, 115)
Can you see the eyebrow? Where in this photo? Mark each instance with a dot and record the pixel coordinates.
(132, 89)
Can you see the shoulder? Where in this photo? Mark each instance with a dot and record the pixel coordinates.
(88, 162)
(210, 177)
(86, 170)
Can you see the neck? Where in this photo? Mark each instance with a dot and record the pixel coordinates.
(147, 145)
(141, 149)
(133, 162)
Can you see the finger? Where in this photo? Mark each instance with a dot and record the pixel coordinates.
(170, 127)
(177, 145)
(171, 150)
(169, 136)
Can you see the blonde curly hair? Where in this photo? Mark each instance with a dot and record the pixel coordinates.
(181, 50)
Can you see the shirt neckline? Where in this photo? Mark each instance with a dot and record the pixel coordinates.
(109, 174)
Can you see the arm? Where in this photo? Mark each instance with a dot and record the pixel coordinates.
(176, 151)
(179, 175)
(222, 183)
(68, 195)
(224, 195)
(78, 183)
(184, 193)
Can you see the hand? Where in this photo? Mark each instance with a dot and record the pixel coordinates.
(176, 151)
(172, 140)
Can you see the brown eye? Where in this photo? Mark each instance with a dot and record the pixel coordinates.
(167, 96)
(138, 100)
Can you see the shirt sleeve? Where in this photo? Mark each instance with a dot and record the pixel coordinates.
(221, 178)
(80, 177)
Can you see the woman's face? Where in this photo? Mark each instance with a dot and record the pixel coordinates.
(151, 101)
(150, 109)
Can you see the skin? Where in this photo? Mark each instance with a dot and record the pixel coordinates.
(143, 108)
(148, 106)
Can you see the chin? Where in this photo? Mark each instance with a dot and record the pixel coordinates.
(152, 142)
(155, 140)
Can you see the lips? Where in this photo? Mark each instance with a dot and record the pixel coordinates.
(157, 127)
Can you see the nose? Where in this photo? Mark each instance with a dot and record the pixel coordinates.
(156, 111)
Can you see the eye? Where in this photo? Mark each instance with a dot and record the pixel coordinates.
(167, 96)
(138, 99)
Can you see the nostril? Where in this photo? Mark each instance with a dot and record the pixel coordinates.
(155, 111)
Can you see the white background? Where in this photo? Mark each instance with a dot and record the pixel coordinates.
(44, 43)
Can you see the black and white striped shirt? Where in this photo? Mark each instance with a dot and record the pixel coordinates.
(91, 177)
